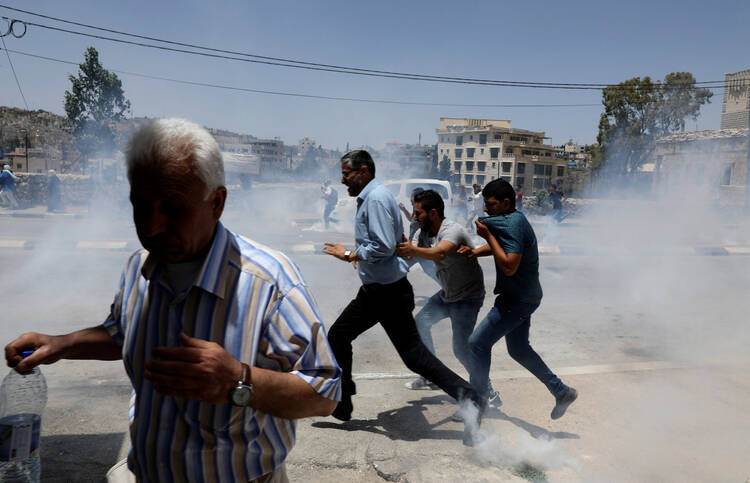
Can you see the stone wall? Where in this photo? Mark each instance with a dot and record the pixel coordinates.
(31, 189)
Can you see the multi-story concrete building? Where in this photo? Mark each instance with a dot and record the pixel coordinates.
(481, 150)
(399, 160)
(708, 163)
(735, 108)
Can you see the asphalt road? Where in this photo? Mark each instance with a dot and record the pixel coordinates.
(655, 343)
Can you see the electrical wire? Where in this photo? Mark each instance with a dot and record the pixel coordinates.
(309, 96)
(291, 63)
(13, 69)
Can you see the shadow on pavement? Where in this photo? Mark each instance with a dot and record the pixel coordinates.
(533, 430)
(405, 423)
(79, 457)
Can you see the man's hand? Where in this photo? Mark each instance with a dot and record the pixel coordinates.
(405, 248)
(335, 249)
(466, 251)
(200, 370)
(47, 349)
(482, 230)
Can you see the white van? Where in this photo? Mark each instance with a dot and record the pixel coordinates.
(402, 188)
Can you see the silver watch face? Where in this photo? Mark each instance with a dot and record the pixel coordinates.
(241, 395)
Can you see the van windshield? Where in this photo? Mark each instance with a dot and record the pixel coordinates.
(440, 189)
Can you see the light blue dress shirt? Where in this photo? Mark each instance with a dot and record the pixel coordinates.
(377, 230)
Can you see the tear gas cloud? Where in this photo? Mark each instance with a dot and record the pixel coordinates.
(637, 285)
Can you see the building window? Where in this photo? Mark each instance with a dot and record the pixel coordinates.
(471, 138)
(548, 170)
(482, 139)
(505, 178)
(539, 183)
(560, 171)
(521, 168)
(538, 170)
(459, 153)
(481, 166)
(548, 154)
(498, 136)
(459, 140)
(494, 165)
(481, 151)
(520, 181)
(469, 165)
(726, 178)
(506, 167)
(457, 166)
(469, 179)
(469, 152)
(494, 152)
(480, 179)
(508, 150)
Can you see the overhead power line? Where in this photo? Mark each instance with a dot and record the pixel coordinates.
(309, 96)
(13, 69)
(299, 64)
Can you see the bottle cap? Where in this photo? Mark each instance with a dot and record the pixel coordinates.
(25, 354)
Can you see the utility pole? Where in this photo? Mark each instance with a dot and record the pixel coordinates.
(747, 167)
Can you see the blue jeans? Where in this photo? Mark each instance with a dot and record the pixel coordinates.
(463, 316)
(512, 321)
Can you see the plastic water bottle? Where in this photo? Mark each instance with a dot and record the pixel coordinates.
(22, 400)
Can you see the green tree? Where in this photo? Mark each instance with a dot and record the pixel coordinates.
(639, 111)
(95, 100)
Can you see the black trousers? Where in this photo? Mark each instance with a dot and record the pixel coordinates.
(391, 305)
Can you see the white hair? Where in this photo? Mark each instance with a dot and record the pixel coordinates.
(165, 142)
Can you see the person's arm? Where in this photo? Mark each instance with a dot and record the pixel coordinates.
(380, 241)
(468, 252)
(92, 343)
(205, 371)
(406, 213)
(508, 262)
(303, 379)
(436, 253)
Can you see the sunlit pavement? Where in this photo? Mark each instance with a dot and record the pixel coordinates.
(656, 347)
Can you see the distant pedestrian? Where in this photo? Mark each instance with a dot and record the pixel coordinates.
(476, 205)
(53, 191)
(512, 243)
(556, 197)
(519, 198)
(331, 198)
(386, 296)
(8, 187)
(460, 204)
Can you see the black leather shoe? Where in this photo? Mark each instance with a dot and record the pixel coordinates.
(343, 411)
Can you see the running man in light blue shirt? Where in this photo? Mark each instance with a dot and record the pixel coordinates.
(386, 296)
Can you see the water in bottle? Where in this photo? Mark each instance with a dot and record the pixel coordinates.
(22, 400)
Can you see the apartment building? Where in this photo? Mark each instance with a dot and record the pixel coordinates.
(481, 150)
(735, 107)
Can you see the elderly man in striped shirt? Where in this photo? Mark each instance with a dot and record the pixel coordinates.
(219, 335)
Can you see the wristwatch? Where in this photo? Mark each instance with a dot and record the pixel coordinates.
(242, 393)
(346, 255)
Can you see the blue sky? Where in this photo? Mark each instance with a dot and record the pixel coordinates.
(575, 41)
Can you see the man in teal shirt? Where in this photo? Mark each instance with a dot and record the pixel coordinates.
(512, 243)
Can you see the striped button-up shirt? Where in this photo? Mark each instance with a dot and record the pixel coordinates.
(252, 301)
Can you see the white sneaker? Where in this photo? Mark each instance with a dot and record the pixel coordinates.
(421, 383)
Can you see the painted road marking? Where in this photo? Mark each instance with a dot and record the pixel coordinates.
(738, 250)
(304, 247)
(100, 244)
(12, 243)
(565, 371)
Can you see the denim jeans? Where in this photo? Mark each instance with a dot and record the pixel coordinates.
(512, 321)
(463, 317)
